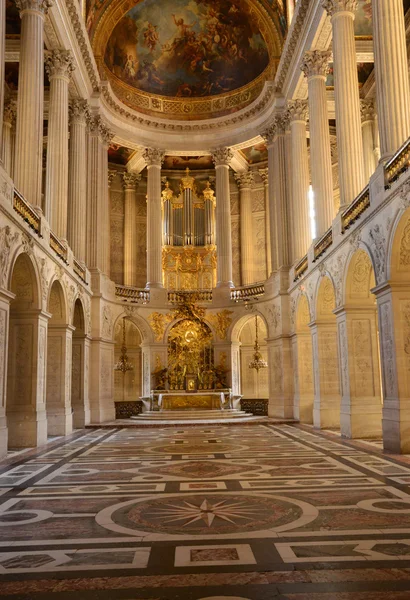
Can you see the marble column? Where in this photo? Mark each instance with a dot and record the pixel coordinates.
(315, 66)
(9, 119)
(30, 100)
(98, 210)
(59, 66)
(244, 181)
(154, 159)
(77, 179)
(2, 60)
(130, 182)
(264, 173)
(302, 237)
(392, 78)
(368, 129)
(222, 158)
(347, 104)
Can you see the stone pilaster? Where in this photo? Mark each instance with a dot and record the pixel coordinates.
(9, 120)
(244, 181)
(315, 66)
(302, 236)
(154, 159)
(130, 182)
(2, 59)
(264, 173)
(369, 147)
(59, 66)
(222, 158)
(392, 80)
(77, 179)
(98, 210)
(348, 125)
(30, 99)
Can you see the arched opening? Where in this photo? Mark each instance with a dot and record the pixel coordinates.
(254, 384)
(80, 369)
(303, 364)
(393, 304)
(26, 417)
(361, 407)
(59, 355)
(128, 385)
(326, 409)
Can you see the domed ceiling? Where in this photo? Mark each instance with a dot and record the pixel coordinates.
(187, 59)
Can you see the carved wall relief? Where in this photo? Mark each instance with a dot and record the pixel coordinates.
(54, 369)
(21, 361)
(405, 246)
(344, 358)
(3, 350)
(363, 357)
(76, 369)
(362, 268)
(388, 350)
(329, 360)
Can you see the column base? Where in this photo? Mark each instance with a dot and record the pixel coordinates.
(27, 431)
(396, 431)
(326, 413)
(3, 441)
(59, 423)
(303, 410)
(363, 421)
(81, 417)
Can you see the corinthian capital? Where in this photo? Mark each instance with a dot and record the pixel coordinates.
(79, 111)
(40, 6)
(367, 110)
(59, 63)
(277, 127)
(332, 7)
(264, 173)
(153, 157)
(10, 112)
(130, 180)
(244, 179)
(112, 173)
(222, 156)
(297, 110)
(316, 63)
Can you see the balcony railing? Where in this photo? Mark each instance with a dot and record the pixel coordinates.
(301, 267)
(23, 208)
(132, 294)
(248, 292)
(176, 297)
(398, 164)
(58, 247)
(356, 209)
(79, 270)
(323, 244)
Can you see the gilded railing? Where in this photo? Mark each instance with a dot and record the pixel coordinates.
(132, 294)
(301, 267)
(398, 164)
(248, 292)
(23, 208)
(175, 297)
(323, 244)
(356, 208)
(58, 247)
(79, 270)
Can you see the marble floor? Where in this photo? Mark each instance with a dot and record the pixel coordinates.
(249, 512)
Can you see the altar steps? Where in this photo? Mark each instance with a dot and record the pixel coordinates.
(194, 414)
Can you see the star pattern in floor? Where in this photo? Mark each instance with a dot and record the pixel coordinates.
(249, 512)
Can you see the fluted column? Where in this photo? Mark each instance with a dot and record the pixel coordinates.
(302, 236)
(154, 159)
(264, 173)
(244, 181)
(130, 182)
(98, 210)
(30, 99)
(368, 129)
(9, 118)
(2, 58)
(59, 66)
(222, 158)
(77, 178)
(315, 66)
(348, 124)
(391, 70)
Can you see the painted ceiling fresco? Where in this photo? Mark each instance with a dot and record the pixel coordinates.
(363, 72)
(187, 48)
(119, 155)
(363, 19)
(255, 154)
(192, 162)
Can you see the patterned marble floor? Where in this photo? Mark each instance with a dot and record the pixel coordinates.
(242, 512)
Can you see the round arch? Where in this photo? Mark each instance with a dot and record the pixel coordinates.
(57, 303)
(24, 281)
(238, 325)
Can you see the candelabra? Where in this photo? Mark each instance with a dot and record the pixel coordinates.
(257, 362)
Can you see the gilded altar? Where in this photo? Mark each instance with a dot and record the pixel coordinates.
(187, 401)
(189, 267)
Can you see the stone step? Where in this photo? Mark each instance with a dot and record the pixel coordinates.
(192, 414)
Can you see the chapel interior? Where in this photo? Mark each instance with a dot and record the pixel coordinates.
(205, 299)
